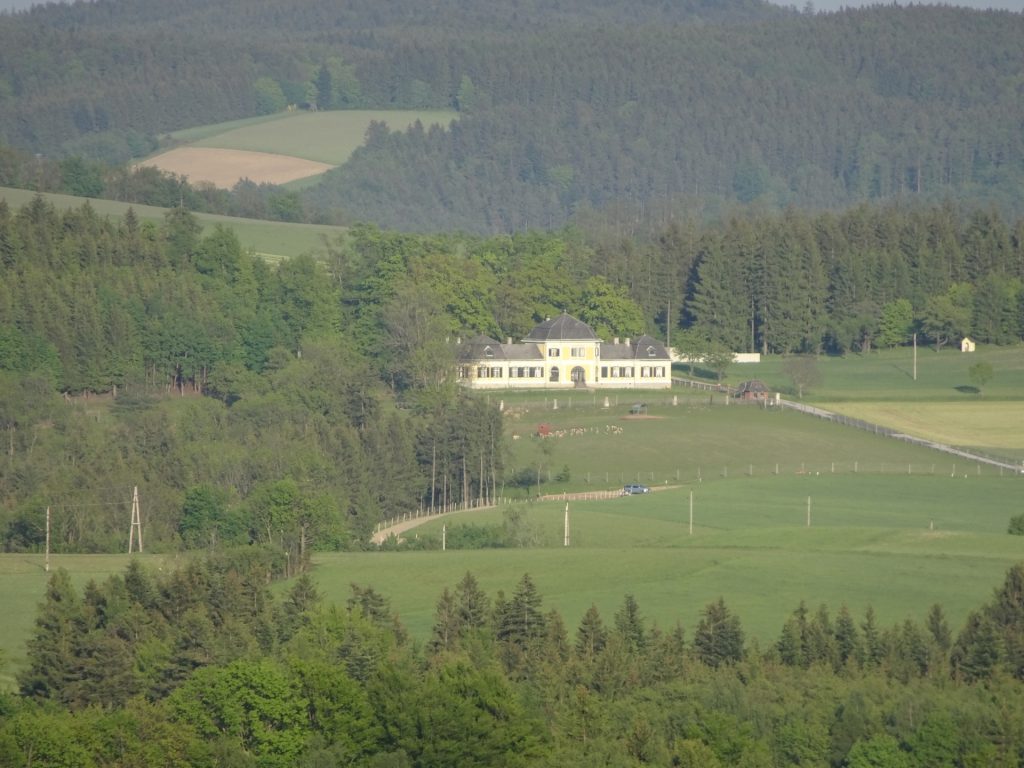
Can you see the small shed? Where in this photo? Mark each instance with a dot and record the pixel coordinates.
(754, 389)
(967, 345)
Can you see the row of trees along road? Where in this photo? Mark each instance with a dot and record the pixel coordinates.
(202, 667)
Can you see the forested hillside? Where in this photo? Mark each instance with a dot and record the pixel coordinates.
(233, 390)
(565, 107)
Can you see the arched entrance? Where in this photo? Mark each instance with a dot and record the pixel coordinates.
(578, 376)
(554, 374)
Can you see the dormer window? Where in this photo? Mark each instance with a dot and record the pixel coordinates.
(488, 352)
(651, 352)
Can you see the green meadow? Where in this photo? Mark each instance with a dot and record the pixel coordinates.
(697, 439)
(892, 525)
(888, 375)
(326, 137)
(897, 543)
(270, 239)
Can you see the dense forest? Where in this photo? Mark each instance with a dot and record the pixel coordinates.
(201, 667)
(565, 108)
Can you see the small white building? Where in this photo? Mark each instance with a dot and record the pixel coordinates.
(564, 353)
(967, 345)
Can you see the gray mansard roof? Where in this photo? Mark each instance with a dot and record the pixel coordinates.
(562, 328)
(565, 327)
(481, 348)
(485, 348)
(643, 348)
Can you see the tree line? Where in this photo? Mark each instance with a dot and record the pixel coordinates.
(201, 666)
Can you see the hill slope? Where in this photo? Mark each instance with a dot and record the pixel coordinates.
(565, 106)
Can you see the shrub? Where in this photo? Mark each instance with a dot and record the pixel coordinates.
(1017, 525)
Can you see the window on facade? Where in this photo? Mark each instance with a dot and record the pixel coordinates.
(554, 374)
(554, 352)
(577, 352)
(604, 371)
(495, 373)
(644, 372)
(481, 372)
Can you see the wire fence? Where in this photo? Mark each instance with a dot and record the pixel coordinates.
(970, 455)
(609, 485)
(963, 462)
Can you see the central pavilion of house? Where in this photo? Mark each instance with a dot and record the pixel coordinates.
(564, 353)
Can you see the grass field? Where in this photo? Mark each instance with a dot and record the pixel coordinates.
(897, 543)
(285, 148)
(887, 375)
(271, 239)
(941, 405)
(326, 137)
(606, 448)
(990, 429)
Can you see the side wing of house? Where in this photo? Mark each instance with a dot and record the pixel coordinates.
(643, 363)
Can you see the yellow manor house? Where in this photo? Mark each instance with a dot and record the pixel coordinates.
(564, 353)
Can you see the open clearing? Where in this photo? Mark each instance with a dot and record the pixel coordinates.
(226, 167)
(887, 375)
(900, 544)
(326, 137)
(281, 148)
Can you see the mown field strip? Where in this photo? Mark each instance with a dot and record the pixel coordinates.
(985, 426)
(273, 239)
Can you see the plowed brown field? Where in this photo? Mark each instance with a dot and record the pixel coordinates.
(225, 167)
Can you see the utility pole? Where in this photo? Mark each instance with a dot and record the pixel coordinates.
(565, 543)
(136, 529)
(915, 357)
(444, 537)
(808, 511)
(47, 563)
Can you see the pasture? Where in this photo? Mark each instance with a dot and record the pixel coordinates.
(887, 375)
(324, 137)
(897, 543)
(269, 239)
(892, 525)
(943, 404)
(698, 439)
